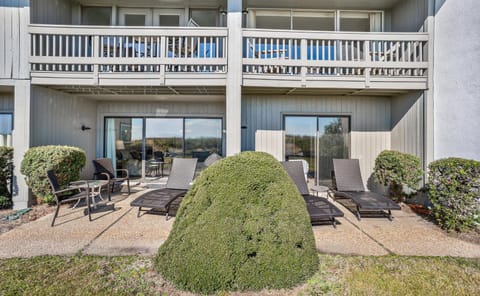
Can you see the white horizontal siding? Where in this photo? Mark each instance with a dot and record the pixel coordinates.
(370, 121)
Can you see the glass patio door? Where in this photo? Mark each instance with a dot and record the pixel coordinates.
(316, 141)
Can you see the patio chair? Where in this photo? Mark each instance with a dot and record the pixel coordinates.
(104, 171)
(181, 175)
(319, 208)
(349, 185)
(66, 195)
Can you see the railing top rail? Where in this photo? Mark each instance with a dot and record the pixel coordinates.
(387, 36)
(130, 31)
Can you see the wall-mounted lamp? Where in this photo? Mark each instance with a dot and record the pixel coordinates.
(223, 12)
(85, 128)
(245, 11)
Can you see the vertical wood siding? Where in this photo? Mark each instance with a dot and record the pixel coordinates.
(409, 15)
(407, 123)
(6, 102)
(14, 42)
(369, 119)
(56, 119)
(51, 12)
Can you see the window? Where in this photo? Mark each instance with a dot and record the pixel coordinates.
(6, 127)
(316, 20)
(354, 21)
(204, 17)
(96, 16)
(147, 146)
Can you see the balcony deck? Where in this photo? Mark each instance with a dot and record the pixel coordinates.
(109, 56)
(149, 56)
(300, 59)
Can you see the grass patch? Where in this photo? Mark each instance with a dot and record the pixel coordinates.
(77, 275)
(337, 275)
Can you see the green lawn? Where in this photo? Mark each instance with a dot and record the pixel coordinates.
(337, 275)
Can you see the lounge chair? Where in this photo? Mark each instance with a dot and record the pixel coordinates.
(181, 175)
(66, 195)
(319, 208)
(349, 185)
(104, 170)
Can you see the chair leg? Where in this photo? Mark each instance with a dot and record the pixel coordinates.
(139, 210)
(128, 185)
(89, 212)
(358, 214)
(56, 214)
(390, 217)
(334, 222)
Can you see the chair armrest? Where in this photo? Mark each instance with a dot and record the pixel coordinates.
(105, 174)
(126, 172)
(70, 188)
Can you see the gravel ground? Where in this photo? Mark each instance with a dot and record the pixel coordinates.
(36, 212)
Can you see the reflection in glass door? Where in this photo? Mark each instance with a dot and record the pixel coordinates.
(123, 144)
(317, 140)
(203, 136)
(147, 146)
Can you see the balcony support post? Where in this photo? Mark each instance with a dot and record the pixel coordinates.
(234, 78)
(21, 142)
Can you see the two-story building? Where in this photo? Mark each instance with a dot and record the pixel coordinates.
(144, 81)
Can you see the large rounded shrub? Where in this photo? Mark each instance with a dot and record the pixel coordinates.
(395, 170)
(454, 190)
(242, 226)
(66, 161)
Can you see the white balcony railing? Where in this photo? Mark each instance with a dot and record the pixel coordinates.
(333, 55)
(120, 50)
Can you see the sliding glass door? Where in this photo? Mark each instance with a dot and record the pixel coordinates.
(147, 146)
(317, 140)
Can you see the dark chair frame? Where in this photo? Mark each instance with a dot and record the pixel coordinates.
(104, 171)
(319, 208)
(69, 194)
(348, 183)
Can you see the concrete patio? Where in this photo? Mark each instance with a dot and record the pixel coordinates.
(120, 232)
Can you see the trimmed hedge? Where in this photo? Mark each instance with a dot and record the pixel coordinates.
(6, 167)
(454, 190)
(66, 161)
(396, 169)
(242, 226)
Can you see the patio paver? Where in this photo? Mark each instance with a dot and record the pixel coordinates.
(120, 232)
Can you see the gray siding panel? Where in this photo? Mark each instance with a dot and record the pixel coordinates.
(409, 15)
(370, 120)
(6, 102)
(51, 12)
(407, 123)
(14, 42)
(58, 118)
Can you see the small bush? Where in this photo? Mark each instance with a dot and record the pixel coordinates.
(454, 190)
(395, 170)
(6, 167)
(242, 226)
(66, 161)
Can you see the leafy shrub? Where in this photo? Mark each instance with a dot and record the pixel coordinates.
(6, 166)
(242, 226)
(396, 169)
(66, 161)
(454, 190)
